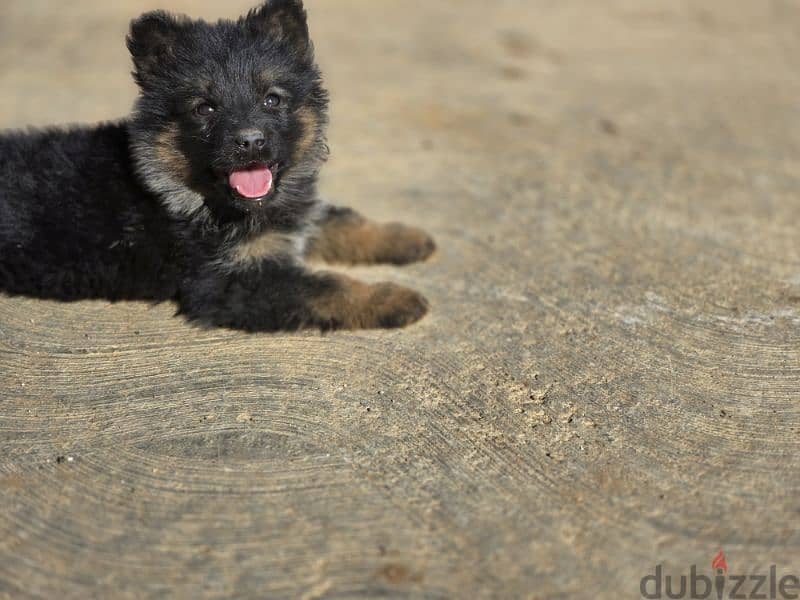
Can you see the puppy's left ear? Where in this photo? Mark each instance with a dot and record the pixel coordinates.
(284, 21)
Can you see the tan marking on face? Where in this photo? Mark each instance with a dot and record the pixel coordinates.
(309, 122)
(266, 78)
(206, 86)
(169, 153)
(264, 246)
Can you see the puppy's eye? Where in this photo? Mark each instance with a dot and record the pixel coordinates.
(272, 101)
(204, 110)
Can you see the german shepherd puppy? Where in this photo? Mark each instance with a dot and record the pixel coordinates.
(207, 194)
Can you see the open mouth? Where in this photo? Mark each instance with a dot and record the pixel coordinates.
(254, 181)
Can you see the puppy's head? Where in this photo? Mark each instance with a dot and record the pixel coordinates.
(231, 115)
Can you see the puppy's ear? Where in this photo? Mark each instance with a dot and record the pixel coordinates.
(284, 21)
(152, 40)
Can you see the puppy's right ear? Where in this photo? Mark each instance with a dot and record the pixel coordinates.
(152, 40)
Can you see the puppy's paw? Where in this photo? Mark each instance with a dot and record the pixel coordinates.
(402, 245)
(396, 306)
(352, 304)
(357, 241)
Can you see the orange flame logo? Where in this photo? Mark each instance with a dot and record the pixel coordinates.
(719, 562)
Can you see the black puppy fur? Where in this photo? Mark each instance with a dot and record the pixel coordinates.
(144, 209)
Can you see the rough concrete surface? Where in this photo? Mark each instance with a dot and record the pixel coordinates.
(609, 377)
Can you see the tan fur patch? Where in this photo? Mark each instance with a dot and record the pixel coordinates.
(355, 240)
(169, 153)
(309, 122)
(264, 246)
(353, 304)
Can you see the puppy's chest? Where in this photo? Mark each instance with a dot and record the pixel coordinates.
(266, 246)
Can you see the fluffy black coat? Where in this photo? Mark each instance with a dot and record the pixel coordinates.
(151, 208)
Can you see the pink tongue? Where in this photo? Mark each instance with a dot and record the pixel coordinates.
(252, 183)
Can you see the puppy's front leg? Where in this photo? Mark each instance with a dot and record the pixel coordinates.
(273, 297)
(344, 236)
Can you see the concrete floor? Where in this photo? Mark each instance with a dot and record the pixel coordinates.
(608, 379)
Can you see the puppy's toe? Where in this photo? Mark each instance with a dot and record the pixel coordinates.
(405, 245)
(398, 306)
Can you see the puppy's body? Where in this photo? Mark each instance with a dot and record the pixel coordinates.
(75, 222)
(207, 195)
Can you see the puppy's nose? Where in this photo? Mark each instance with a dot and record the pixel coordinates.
(250, 139)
